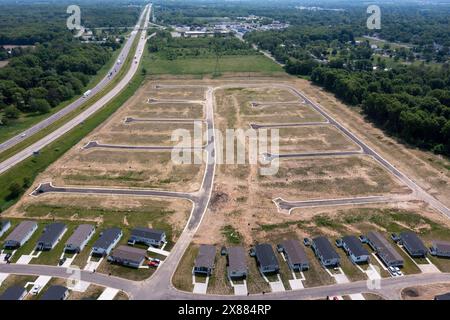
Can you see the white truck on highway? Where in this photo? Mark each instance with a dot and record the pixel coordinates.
(87, 93)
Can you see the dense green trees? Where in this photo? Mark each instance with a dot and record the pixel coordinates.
(56, 66)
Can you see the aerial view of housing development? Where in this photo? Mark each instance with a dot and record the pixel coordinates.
(225, 151)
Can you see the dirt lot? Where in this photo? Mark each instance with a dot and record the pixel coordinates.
(314, 138)
(429, 170)
(166, 110)
(238, 103)
(152, 133)
(120, 168)
(156, 91)
(425, 292)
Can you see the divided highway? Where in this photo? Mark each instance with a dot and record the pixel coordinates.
(22, 155)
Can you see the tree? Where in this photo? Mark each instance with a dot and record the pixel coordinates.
(12, 112)
(15, 190)
(40, 105)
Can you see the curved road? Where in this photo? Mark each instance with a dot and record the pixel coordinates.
(22, 155)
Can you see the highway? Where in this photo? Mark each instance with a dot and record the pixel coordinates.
(27, 152)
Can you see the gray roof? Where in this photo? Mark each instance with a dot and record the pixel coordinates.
(237, 259)
(442, 245)
(4, 223)
(129, 253)
(21, 231)
(107, 238)
(445, 296)
(294, 251)
(265, 255)
(206, 256)
(325, 248)
(13, 293)
(54, 293)
(80, 235)
(52, 232)
(412, 241)
(147, 233)
(383, 247)
(355, 246)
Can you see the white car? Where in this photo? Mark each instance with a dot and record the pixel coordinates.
(23, 135)
(35, 290)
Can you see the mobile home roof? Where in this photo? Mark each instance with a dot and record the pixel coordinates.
(21, 231)
(236, 258)
(206, 256)
(295, 251)
(80, 235)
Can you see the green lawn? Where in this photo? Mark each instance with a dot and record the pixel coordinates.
(207, 65)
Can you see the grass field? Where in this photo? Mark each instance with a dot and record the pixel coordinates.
(207, 66)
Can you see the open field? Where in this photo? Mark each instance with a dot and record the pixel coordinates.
(327, 178)
(155, 91)
(427, 292)
(151, 134)
(166, 110)
(126, 168)
(430, 171)
(206, 66)
(315, 138)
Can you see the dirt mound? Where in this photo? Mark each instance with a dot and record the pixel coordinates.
(410, 292)
(218, 198)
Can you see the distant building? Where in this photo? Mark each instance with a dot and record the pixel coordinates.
(79, 238)
(440, 249)
(149, 237)
(204, 263)
(56, 293)
(20, 235)
(355, 250)
(128, 256)
(14, 293)
(107, 241)
(295, 255)
(51, 235)
(236, 263)
(4, 226)
(324, 251)
(413, 245)
(266, 259)
(384, 250)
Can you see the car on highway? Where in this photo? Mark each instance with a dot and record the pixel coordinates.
(23, 135)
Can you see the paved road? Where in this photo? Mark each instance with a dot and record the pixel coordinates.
(162, 120)
(284, 205)
(312, 154)
(112, 73)
(49, 188)
(22, 155)
(388, 287)
(419, 192)
(287, 125)
(161, 280)
(95, 144)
